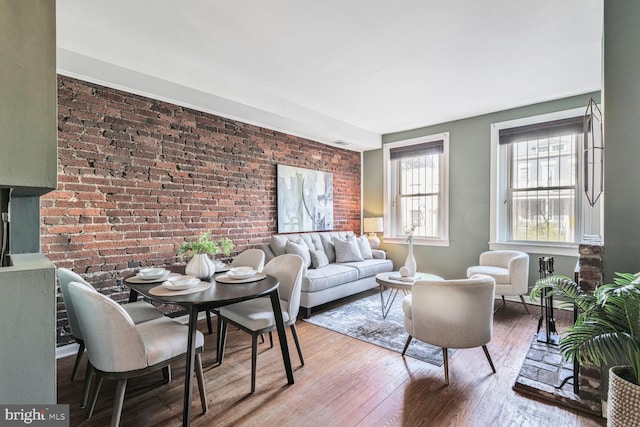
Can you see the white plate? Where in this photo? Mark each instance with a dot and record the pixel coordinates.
(241, 272)
(219, 265)
(180, 283)
(153, 276)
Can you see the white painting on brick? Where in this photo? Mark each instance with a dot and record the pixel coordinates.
(305, 200)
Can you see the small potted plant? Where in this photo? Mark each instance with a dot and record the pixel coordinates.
(606, 331)
(200, 265)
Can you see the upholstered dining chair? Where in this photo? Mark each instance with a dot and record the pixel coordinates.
(140, 311)
(256, 316)
(253, 258)
(451, 314)
(119, 349)
(510, 269)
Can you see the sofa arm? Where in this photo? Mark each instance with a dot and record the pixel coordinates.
(378, 254)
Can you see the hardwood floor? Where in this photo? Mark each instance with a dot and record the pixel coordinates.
(345, 382)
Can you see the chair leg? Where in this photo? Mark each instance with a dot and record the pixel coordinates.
(166, 373)
(486, 353)
(525, 304)
(121, 386)
(294, 332)
(270, 339)
(86, 388)
(445, 357)
(406, 345)
(222, 340)
(209, 322)
(95, 389)
(76, 365)
(254, 360)
(200, 378)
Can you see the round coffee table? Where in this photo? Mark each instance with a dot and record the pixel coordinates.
(397, 283)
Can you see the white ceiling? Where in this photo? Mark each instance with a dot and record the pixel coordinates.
(336, 70)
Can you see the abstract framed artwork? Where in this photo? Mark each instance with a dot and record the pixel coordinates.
(305, 199)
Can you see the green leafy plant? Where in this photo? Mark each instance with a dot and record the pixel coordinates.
(204, 244)
(607, 329)
(226, 245)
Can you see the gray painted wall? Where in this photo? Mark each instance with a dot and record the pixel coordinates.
(621, 100)
(28, 165)
(469, 169)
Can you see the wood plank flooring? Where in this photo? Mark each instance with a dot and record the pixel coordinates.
(345, 382)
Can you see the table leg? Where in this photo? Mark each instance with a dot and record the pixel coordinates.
(188, 375)
(386, 305)
(284, 347)
(133, 295)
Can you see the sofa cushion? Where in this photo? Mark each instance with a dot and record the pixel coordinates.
(278, 244)
(299, 248)
(365, 247)
(371, 267)
(318, 259)
(501, 275)
(328, 277)
(347, 250)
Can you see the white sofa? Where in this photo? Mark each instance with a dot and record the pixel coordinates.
(342, 276)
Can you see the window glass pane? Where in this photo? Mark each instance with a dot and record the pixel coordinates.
(543, 188)
(419, 179)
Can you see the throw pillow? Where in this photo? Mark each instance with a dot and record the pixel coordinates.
(318, 259)
(329, 249)
(299, 248)
(365, 247)
(347, 250)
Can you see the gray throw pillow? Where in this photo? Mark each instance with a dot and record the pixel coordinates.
(365, 247)
(329, 249)
(347, 250)
(299, 248)
(318, 259)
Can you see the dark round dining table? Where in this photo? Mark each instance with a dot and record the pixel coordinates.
(218, 295)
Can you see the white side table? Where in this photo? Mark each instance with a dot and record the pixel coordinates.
(397, 283)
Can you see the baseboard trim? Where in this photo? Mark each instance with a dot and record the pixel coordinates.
(72, 349)
(556, 304)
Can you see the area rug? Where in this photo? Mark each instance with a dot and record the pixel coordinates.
(362, 319)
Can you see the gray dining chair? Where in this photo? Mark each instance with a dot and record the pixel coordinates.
(140, 311)
(119, 349)
(253, 258)
(451, 314)
(256, 316)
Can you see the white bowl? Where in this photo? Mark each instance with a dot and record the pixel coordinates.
(241, 272)
(181, 283)
(152, 271)
(164, 273)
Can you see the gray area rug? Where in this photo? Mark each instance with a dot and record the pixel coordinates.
(362, 319)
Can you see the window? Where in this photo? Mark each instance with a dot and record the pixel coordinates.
(537, 199)
(416, 190)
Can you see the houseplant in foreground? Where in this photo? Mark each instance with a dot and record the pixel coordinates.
(200, 265)
(606, 331)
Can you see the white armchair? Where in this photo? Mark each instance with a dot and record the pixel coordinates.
(451, 314)
(510, 269)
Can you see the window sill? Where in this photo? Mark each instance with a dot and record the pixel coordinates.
(537, 248)
(417, 241)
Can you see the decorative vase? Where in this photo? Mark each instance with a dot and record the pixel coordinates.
(623, 401)
(410, 262)
(200, 266)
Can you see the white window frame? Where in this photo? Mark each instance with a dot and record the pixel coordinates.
(498, 209)
(392, 232)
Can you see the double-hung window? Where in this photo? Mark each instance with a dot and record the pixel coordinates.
(416, 190)
(538, 202)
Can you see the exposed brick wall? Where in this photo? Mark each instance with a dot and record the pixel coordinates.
(138, 176)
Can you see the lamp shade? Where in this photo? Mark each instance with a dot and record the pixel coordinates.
(373, 225)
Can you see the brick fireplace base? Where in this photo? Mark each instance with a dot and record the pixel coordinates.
(543, 371)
